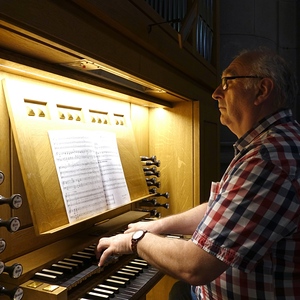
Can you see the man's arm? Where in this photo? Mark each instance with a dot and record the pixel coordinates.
(183, 223)
(180, 259)
(177, 257)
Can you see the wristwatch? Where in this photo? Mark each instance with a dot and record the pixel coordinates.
(136, 237)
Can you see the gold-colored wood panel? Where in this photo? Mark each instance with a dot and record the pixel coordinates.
(5, 154)
(174, 138)
(5, 167)
(171, 140)
(60, 110)
(17, 187)
(186, 140)
(19, 43)
(197, 144)
(140, 124)
(162, 289)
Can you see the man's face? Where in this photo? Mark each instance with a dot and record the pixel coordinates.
(236, 103)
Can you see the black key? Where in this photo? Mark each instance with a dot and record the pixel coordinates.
(85, 258)
(80, 263)
(62, 268)
(68, 264)
(86, 254)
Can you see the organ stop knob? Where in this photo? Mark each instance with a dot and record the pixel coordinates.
(15, 201)
(14, 271)
(14, 294)
(2, 245)
(12, 225)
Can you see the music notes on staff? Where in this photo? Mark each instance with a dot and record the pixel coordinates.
(89, 170)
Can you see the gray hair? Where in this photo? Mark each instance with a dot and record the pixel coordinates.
(266, 63)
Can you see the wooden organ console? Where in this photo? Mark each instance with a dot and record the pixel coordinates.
(51, 53)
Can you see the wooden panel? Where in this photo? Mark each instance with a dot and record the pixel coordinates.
(171, 140)
(126, 46)
(35, 108)
(162, 289)
(180, 136)
(5, 166)
(125, 19)
(197, 144)
(140, 123)
(17, 187)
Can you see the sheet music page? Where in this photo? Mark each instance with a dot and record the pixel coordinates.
(115, 186)
(79, 156)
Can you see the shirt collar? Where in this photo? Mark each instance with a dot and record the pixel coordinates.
(276, 118)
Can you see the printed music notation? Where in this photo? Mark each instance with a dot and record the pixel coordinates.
(89, 171)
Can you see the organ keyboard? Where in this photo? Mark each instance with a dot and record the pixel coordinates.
(126, 278)
(129, 282)
(76, 275)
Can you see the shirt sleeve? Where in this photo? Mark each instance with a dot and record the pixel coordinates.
(255, 206)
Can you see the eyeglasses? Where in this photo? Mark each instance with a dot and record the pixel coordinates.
(225, 78)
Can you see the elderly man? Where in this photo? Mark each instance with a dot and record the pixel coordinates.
(246, 240)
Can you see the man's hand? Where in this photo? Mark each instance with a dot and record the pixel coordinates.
(149, 226)
(115, 245)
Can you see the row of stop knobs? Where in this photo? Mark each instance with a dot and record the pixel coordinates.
(150, 204)
(13, 224)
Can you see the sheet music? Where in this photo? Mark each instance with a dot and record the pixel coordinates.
(114, 183)
(89, 170)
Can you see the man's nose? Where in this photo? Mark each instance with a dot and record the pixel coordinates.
(218, 93)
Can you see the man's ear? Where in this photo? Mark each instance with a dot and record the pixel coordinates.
(265, 88)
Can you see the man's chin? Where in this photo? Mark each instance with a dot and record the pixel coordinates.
(223, 120)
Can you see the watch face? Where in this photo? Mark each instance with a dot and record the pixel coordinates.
(138, 234)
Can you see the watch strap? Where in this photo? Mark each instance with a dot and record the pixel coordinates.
(134, 242)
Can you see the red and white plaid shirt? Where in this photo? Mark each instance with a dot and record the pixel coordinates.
(253, 217)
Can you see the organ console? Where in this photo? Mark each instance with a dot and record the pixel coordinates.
(77, 66)
(77, 275)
